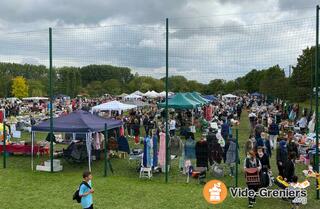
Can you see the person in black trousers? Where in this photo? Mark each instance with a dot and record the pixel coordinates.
(282, 156)
(289, 168)
(265, 165)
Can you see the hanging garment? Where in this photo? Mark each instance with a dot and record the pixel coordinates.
(162, 149)
(175, 145)
(181, 159)
(147, 151)
(1, 116)
(123, 144)
(96, 142)
(208, 113)
(189, 149)
(155, 150)
(202, 153)
(121, 131)
(231, 154)
(112, 144)
(215, 152)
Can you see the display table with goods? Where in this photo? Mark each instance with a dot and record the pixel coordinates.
(25, 149)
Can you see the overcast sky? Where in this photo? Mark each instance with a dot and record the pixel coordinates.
(208, 39)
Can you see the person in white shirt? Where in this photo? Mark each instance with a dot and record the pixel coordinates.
(172, 127)
(303, 124)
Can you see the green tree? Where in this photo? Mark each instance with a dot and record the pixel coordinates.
(216, 86)
(301, 80)
(112, 86)
(274, 82)
(95, 89)
(145, 83)
(36, 88)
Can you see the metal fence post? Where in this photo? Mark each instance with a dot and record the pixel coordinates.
(51, 97)
(317, 94)
(167, 74)
(237, 156)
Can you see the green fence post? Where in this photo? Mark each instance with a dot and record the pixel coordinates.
(237, 156)
(167, 74)
(4, 146)
(105, 149)
(51, 97)
(317, 94)
(311, 93)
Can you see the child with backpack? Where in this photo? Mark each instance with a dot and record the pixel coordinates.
(84, 194)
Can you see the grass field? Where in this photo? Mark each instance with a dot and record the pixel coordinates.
(23, 189)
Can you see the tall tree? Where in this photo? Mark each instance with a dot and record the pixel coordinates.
(19, 87)
(301, 79)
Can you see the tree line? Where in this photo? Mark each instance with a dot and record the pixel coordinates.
(96, 80)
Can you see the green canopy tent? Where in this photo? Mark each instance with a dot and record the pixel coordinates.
(193, 98)
(180, 101)
(199, 97)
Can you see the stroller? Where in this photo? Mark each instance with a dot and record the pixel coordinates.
(217, 170)
(267, 179)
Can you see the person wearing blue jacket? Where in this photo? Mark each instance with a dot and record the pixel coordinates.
(225, 130)
(273, 134)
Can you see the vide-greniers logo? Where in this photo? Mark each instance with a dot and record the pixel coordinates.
(215, 192)
(294, 194)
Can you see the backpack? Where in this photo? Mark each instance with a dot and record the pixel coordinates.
(76, 195)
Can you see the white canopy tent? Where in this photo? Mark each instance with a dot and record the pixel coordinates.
(138, 93)
(122, 95)
(132, 96)
(113, 105)
(152, 94)
(163, 94)
(35, 98)
(229, 96)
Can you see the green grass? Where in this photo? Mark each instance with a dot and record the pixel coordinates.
(23, 188)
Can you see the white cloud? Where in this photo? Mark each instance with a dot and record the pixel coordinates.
(210, 46)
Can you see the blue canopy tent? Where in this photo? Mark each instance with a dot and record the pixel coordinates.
(256, 94)
(76, 122)
(210, 98)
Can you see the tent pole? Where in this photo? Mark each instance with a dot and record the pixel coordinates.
(105, 149)
(89, 150)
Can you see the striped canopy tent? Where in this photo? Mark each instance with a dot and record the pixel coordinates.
(179, 101)
(193, 98)
(199, 97)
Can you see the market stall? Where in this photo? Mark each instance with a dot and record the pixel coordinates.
(76, 122)
(210, 98)
(152, 94)
(132, 96)
(138, 93)
(229, 96)
(113, 106)
(180, 101)
(138, 103)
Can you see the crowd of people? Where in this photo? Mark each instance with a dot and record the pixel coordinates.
(275, 129)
